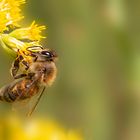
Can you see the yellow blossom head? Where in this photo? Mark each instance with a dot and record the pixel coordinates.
(33, 32)
(10, 13)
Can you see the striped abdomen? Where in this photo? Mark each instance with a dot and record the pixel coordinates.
(17, 91)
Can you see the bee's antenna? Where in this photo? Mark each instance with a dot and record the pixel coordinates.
(34, 107)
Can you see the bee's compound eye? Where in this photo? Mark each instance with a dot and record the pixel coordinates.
(46, 53)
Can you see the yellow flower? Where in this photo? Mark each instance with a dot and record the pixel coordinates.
(35, 129)
(32, 32)
(3, 21)
(16, 47)
(12, 43)
(14, 11)
(10, 13)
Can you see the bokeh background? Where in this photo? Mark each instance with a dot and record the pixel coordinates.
(97, 90)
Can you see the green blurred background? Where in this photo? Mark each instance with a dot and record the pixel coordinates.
(97, 88)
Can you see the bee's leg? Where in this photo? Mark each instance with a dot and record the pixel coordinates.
(29, 75)
(35, 56)
(15, 66)
(20, 76)
(26, 64)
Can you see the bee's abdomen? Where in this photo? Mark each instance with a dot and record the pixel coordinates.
(18, 91)
(7, 96)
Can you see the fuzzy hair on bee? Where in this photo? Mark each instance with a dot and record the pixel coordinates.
(41, 73)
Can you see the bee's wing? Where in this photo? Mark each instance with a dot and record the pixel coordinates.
(26, 107)
(36, 102)
(21, 107)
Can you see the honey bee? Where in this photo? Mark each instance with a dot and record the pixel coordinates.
(41, 73)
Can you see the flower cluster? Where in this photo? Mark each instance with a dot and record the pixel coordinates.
(10, 13)
(13, 36)
(35, 129)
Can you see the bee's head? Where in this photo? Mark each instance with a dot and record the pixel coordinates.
(49, 55)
